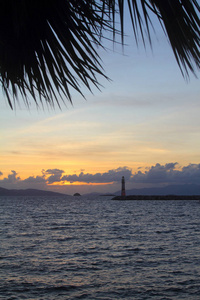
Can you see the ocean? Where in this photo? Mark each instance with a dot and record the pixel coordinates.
(96, 248)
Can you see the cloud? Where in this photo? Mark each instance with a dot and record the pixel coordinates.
(168, 174)
(14, 181)
(156, 175)
(55, 175)
(190, 174)
(114, 175)
(35, 180)
(12, 178)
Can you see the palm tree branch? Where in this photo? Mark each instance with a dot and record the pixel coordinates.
(49, 46)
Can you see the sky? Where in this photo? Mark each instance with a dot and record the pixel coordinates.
(144, 124)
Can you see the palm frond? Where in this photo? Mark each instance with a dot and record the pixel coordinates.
(180, 21)
(49, 47)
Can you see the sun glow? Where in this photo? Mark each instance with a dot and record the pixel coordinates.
(62, 183)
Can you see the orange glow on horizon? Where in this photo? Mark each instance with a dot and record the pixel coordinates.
(79, 183)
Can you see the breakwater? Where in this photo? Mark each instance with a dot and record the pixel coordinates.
(157, 197)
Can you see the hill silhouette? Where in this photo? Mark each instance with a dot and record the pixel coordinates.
(184, 190)
(28, 192)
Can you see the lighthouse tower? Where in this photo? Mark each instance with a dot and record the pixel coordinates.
(123, 192)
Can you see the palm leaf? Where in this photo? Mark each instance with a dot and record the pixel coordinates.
(46, 47)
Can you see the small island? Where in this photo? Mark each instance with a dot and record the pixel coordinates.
(77, 194)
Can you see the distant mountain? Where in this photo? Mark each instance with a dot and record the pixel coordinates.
(28, 192)
(94, 194)
(185, 189)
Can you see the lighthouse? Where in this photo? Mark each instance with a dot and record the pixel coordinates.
(123, 192)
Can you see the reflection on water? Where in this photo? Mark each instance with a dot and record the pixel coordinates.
(69, 248)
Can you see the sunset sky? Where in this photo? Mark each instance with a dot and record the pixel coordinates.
(143, 124)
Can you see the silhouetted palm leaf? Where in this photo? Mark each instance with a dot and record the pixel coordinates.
(48, 46)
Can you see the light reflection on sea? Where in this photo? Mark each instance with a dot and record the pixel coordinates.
(79, 248)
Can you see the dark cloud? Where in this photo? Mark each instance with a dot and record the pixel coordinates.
(156, 174)
(168, 174)
(14, 181)
(110, 176)
(54, 171)
(12, 178)
(50, 176)
(35, 180)
(190, 174)
(55, 175)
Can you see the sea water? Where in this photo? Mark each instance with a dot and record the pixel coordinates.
(97, 248)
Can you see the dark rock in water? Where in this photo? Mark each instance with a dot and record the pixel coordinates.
(77, 194)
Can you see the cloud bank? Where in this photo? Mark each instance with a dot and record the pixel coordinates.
(107, 177)
(170, 173)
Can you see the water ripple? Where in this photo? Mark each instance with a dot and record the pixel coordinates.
(99, 249)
